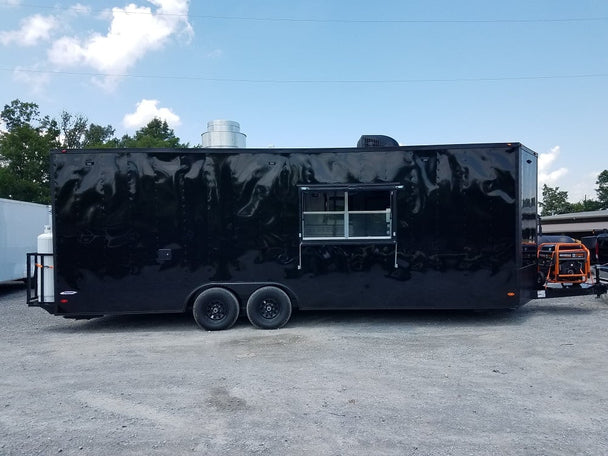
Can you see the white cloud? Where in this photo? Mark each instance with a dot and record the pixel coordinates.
(545, 159)
(36, 80)
(552, 177)
(578, 186)
(12, 2)
(215, 54)
(545, 163)
(66, 51)
(107, 83)
(146, 111)
(584, 188)
(33, 30)
(79, 9)
(133, 32)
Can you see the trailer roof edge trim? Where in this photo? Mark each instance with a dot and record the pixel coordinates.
(294, 149)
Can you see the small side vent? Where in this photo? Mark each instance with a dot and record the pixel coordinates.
(376, 141)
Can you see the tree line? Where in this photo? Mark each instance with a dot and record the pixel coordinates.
(28, 137)
(555, 201)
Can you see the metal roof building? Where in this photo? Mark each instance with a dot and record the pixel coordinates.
(576, 224)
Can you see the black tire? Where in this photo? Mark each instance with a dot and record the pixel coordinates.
(269, 308)
(540, 281)
(215, 309)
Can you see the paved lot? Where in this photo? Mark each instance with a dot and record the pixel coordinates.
(531, 381)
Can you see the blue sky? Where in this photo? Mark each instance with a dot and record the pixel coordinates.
(321, 73)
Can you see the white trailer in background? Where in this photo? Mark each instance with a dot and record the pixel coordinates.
(20, 225)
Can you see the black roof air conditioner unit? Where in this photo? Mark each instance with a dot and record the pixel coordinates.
(376, 141)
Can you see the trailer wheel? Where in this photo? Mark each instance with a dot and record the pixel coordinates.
(540, 280)
(269, 308)
(215, 309)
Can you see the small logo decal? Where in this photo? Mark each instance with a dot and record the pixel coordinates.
(68, 293)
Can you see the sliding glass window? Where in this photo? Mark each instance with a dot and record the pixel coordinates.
(347, 213)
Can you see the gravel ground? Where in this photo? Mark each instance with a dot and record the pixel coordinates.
(530, 381)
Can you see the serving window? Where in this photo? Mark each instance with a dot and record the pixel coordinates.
(353, 213)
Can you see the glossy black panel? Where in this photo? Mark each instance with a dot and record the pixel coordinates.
(528, 169)
(139, 230)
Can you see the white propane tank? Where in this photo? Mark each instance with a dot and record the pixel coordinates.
(45, 273)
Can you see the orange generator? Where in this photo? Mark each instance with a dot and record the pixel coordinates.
(564, 263)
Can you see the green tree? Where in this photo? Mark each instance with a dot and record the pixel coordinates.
(602, 188)
(24, 152)
(554, 201)
(98, 137)
(73, 129)
(18, 114)
(75, 133)
(585, 205)
(155, 134)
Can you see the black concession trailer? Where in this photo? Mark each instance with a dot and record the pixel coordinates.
(229, 232)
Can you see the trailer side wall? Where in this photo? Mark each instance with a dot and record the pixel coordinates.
(20, 224)
(141, 230)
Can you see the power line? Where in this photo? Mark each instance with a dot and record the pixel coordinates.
(310, 81)
(326, 21)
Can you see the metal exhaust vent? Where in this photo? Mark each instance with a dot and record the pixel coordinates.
(224, 134)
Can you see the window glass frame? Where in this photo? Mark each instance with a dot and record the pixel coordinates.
(345, 235)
